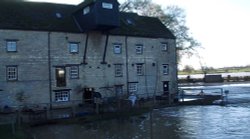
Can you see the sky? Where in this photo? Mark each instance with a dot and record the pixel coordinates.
(221, 26)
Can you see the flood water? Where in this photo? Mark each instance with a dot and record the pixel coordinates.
(182, 122)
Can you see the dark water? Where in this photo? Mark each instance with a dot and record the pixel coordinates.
(186, 122)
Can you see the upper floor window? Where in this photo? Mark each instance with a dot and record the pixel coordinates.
(118, 70)
(164, 46)
(74, 72)
(11, 46)
(86, 10)
(165, 69)
(11, 73)
(106, 5)
(117, 48)
(139, 49)
(139, 69)
(73, 47)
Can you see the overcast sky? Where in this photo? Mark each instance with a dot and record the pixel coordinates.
(221, 26)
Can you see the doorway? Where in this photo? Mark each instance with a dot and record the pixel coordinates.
(165, 87)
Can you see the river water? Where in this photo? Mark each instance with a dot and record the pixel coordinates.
(181, 122)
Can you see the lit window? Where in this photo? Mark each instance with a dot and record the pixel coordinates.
(60, 77)
(117, 48)
(118, 70)
(132, 87)
(74, 72)
(11, 46)
(86, 10)
(106, 5)
(11, 73)
(164, 46)
(165, 69)
(139, 69)
(62, 96)
(139, 49)
(73, 47)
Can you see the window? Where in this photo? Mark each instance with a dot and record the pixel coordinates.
(139, 69)
(118, 70)
(165, 69)
(74, 72)
(86, 10)
(73, 47)
(132, 87)
(139, 49)
(164, 46)
(106, 5)
(117, 48)
(60, 77)
(62, 96)
(11, 73)
(11, 46)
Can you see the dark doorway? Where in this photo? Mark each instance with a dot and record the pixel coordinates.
(88, 95)
(60, 77)
(165, 87)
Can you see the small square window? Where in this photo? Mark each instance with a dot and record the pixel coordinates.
(11, 46)
(86, 10)
(74, 72)
(11, 73)
(117, 48)
(164, 46)
(118, 70)
(62, 96)
(165, 69)
(139, 49)
(73, 47)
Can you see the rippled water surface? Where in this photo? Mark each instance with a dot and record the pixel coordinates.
(183, 122)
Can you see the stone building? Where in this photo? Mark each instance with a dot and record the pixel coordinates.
(55, 53)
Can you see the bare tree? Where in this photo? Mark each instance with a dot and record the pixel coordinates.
(173, 17)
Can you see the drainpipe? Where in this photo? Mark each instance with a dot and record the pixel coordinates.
(85, 49)
(127, 73)
(49, 68)
(105, 50)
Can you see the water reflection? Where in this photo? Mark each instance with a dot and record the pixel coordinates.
(186, 122)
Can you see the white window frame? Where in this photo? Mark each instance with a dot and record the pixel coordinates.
(139, 49)
(11, 46)
(164, 46)
(165, 69)
(132, 87)
(62, 96)
(12, 73)
(139, 69)
(118, 70)
(86, 10)
(117, 48)
(74, 72)
(106, 5)
(73, 47)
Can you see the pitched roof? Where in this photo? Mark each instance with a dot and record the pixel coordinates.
(58, 17)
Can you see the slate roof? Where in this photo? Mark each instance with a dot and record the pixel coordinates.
(59, 17)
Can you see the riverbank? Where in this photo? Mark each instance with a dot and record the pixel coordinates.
(211, 84)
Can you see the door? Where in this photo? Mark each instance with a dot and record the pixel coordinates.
(165, 87)
(60, 77)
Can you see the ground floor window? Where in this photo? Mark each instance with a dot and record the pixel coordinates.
(11, 72)
(132, 87)
(61, 96)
